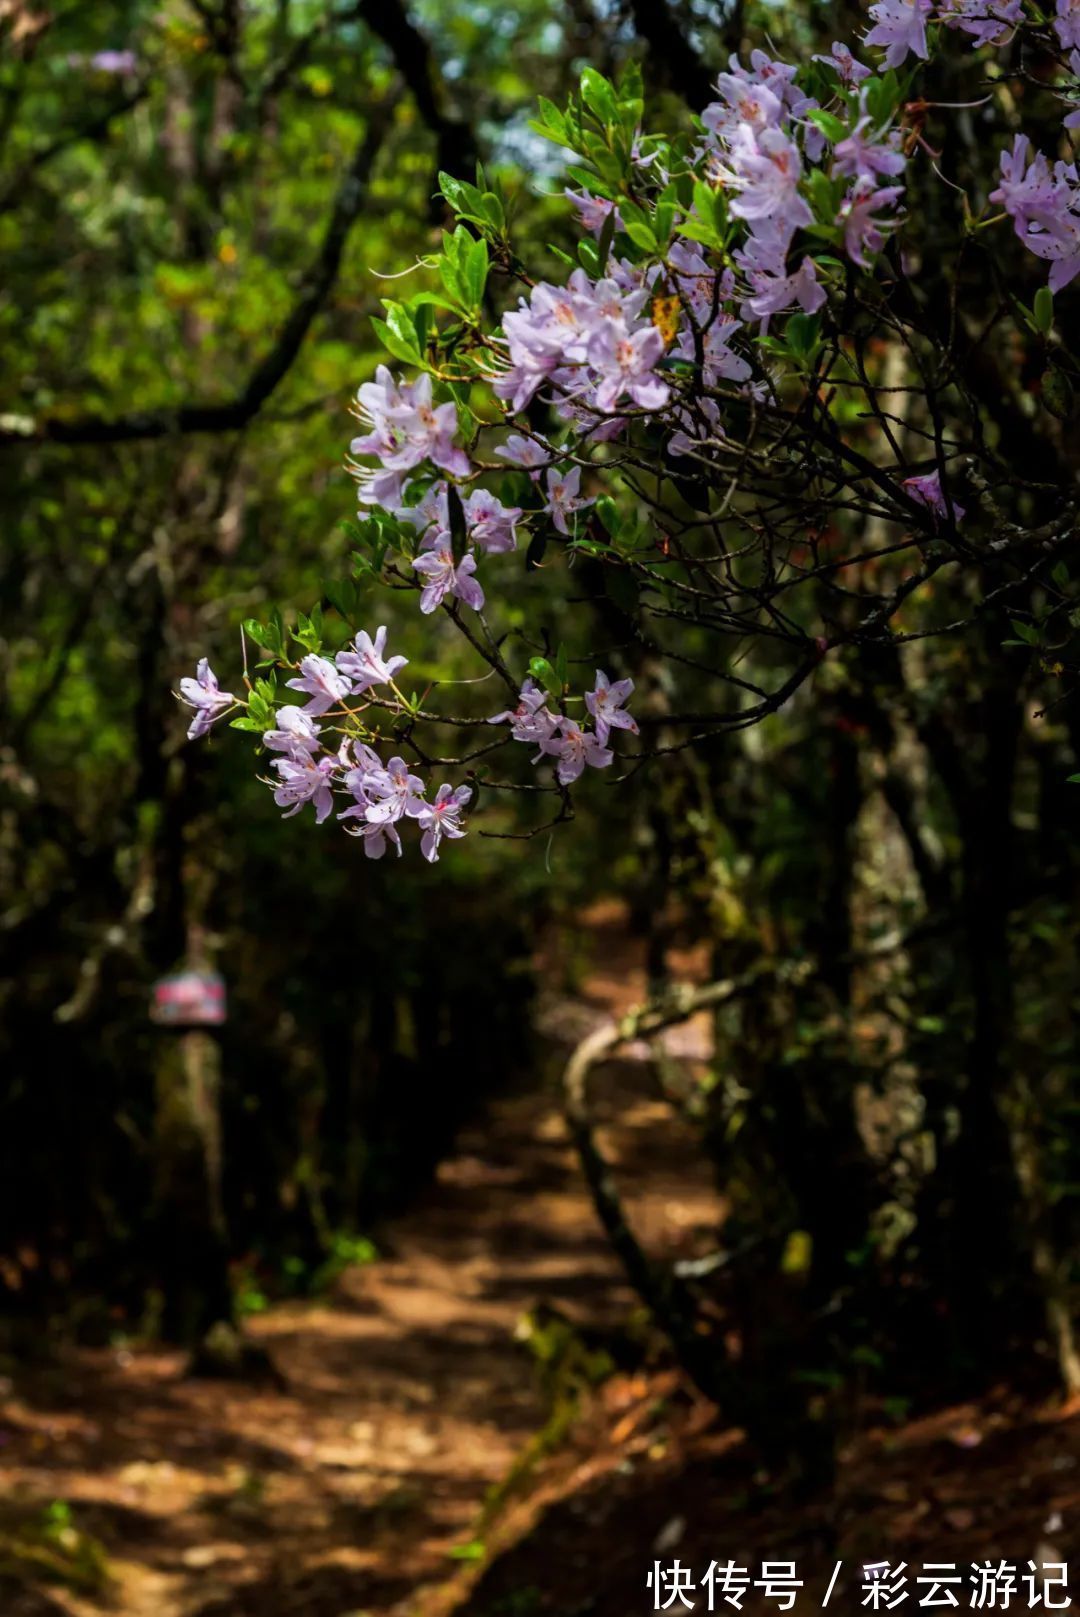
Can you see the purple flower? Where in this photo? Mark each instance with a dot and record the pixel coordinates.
(430, 427)
(367, 666)
(696, 430)
(863, 156)
(764, 167)
(490, 524)
(863, 233)
(444, 578)
(900, 26)
(392, 792)
(989, 22)
(564, 496)
(772, 294)
(203, 695)
(574, 748)
(626, 365)
(1067, 23)
(1044, 206)
(322, 682)
(376, 838)
(524, 452)
(121, 62)
(532, 366)
(305, 780)
(406, 428)
(433, 511)
(780, 78)
(696, 281)
(744, 102)
(365, 765)
(1028, 191)
(440, 819)
(607, 703)
(1073, 119)
(593, 211)
(531, 720)
(548, 339)
(296, 731)
(927, 490)
(849, 70)
(718, 361)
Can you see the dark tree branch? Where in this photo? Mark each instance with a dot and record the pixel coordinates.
(673, 58)
(230, 414)
(93, 129)
(415, 61)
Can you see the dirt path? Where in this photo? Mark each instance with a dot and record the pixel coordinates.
(407, 1397)
(358, 1487)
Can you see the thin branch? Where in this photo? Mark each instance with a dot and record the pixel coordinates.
(231, 414)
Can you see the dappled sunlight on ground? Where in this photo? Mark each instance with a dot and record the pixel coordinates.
(355, 1478)
(406, 1397)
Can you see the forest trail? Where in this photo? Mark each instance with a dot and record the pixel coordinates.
(358, 1487)
(407, 1396)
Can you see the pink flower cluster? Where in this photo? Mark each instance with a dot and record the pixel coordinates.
(202, 694)
(571, 744)
(307, 770)
(760, 139)
(587, 343)
(1043, 202)
(406, 429)
(608, 349)
(489, 526)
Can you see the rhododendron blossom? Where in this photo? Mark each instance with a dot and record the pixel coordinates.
(203, 695)
(322, 683)
(366, 665)
(607, 704)
(900, 29)
(445, 577)
(733, 388)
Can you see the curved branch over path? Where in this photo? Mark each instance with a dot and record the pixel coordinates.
(669, 1301)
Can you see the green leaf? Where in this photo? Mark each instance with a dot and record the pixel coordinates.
(599, 96)
(1056, 392)
(260, 633)
(543, 673)
(803, 333)
(551, 122)
(828, 123)
(1043, 310)
(476, 272)
(453, 190)
(607, 236)
(398, 335)
(432, 300)
(475, 1550)
(641, 235)
(608, 512)
(493, 211)
(666, 209)
(459, 537)
(343, 596)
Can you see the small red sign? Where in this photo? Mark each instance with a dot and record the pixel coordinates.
(189, 999)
